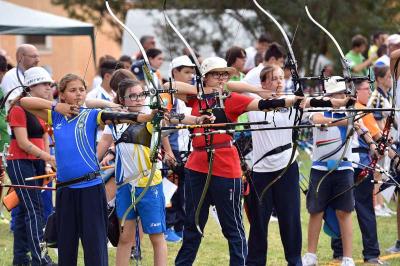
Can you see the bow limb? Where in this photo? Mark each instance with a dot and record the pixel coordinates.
(347, 76)
(200, 93)
(298, 91)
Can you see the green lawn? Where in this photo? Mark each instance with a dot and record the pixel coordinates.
(214, 248)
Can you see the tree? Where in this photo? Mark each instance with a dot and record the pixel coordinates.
(342, 18)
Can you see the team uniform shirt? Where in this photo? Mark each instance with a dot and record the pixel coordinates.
(358, 142)
(35, 127)
(9, 82)
(226, 160)
(253, 76)
(327, 140)
(132, 160)
(267, 140)
(76, 145)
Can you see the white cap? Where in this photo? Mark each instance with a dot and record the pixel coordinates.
(216, 64)
(332, 85)
(183, 60)
(36, 75)
(393, 39)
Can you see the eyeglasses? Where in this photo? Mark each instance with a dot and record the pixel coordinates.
(136, 97)
(32, 55)
(218, 75)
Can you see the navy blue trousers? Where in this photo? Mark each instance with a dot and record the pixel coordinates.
(364, 207)
(225, 194)
(175, 215)
(284, 196)
(29, 220)
(82, 213)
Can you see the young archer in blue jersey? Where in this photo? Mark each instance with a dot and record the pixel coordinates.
(81, 201)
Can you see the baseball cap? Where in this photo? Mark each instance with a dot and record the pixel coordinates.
(183, 60)
(216, 64)
(36, 75)
(394, 39)
(332, 85)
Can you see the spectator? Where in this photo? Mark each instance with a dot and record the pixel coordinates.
(358, 64)
(261, 46)
(156, 59)
(275, 55)
(378, 39)
(126, 61)
(236, 57)
(97, 79)
(393, 44)
(27, 56)
(148, 42)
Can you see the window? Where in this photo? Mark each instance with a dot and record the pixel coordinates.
(42, 42)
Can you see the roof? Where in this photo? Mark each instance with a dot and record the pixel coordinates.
(19, 20)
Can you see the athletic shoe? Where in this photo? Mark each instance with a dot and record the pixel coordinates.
(388, 210)
(395, 248)
(346, 261)
(171, 236)
(375, 261)
(309, 259)
(380, 211)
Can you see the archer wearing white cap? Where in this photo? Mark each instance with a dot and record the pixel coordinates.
(328, 147)
(176, 147)
(29, 157)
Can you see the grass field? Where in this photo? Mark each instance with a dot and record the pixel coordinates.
(214, 248)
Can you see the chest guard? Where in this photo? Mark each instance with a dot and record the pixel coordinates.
(136, 134)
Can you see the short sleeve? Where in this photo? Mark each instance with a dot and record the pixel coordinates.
(17, 117)
(237, 105)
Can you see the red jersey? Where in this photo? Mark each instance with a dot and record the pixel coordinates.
(35, 127)
(226, 160)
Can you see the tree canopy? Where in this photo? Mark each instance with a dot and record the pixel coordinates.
(342, 18)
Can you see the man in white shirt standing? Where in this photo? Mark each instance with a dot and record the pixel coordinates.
(27, 56)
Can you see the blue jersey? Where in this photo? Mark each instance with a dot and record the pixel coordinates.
(75, 140)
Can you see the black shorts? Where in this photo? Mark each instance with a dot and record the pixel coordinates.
(335, 183)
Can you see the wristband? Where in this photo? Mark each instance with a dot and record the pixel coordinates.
(314, 102)
(270, 104)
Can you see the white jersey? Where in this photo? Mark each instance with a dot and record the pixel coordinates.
(267, 140)
(9, 82)
(327, 140)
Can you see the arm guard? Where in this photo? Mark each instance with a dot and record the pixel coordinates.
(116, 117)
(266, 104)
(314, 102)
